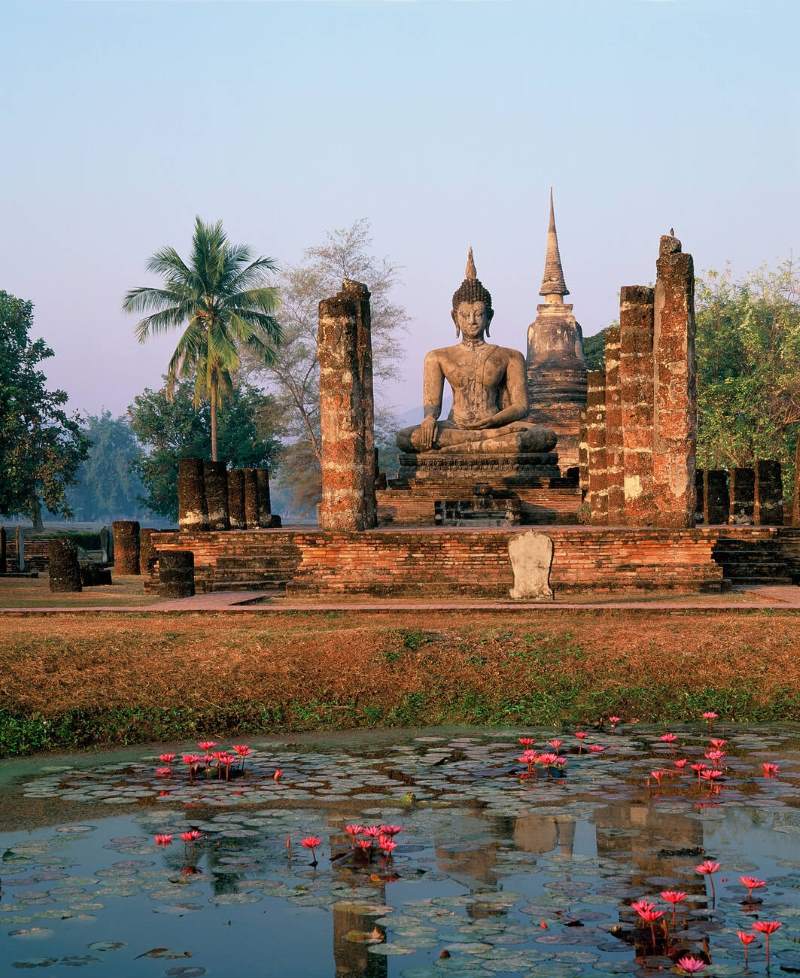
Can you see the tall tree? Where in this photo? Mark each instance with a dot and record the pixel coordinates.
(293, 374)
(41, 446)
(107, 486)
(221, 298)
(169, 427)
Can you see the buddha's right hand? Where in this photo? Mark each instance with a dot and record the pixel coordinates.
(427, 432)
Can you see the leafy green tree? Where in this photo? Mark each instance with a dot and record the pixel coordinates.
(107, 486)
(221, 298)
(594, 349)
(748, 367)
(41, 446)
(169, 427)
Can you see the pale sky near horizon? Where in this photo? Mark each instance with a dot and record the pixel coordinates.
(443, 123)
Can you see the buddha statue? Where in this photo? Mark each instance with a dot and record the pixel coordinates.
(490, 398)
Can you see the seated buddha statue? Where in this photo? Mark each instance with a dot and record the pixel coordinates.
(490, 397)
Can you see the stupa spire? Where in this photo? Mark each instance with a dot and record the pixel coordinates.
(553, 279)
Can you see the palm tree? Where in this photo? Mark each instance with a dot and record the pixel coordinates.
(222, 299)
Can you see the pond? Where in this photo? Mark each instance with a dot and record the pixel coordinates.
(460, 860)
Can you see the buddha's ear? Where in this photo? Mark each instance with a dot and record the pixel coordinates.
(489, 315)
(455, 320)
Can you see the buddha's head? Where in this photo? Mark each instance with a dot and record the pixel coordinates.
(472, 305)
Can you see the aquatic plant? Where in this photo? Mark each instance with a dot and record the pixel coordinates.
(767, 928)
(690, 965)
(751, 883)
(746, 940)
(312, 842)
(708, 868)
(770, 770)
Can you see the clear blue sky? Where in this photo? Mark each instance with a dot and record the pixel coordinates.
(443, 123)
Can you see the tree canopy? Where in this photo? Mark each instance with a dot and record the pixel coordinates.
(41, 446)
(221, 298)
(169, 427)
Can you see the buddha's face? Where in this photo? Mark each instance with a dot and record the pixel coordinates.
(472, 319)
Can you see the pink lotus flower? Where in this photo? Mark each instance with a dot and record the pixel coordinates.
(690, 965)
(770, 770)
(163, 772)
(527, 741)
(555, 743)
(681, 763)
(354, 829)
(711, 775)
(242, 750)
(747, 940)
(751, 883)
(191, 759)
(707, 868)
(364, 844)
(657, 776)
(710, 716)
(391, 830)
(643, 904)
(673, 896)
(650, 916)
(206, 745)
(668, 738)
(387, 846)
(191, 836)
(163, 839)
(717, 742)
(596, 748)
(767, 928)
(277, 775)
(581, 734)
(312, 842)
(715, 756)
(615, 721)
(166, 758)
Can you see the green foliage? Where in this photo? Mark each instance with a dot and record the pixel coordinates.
(41, 446)
(170, 428)
(594, 348)
(107, 485)
(220, 297)
(748, 353)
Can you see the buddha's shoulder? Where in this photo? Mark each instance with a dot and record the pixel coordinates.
(507, 353)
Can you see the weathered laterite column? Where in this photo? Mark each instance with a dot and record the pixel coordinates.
(716, 497)
(250, 499)
(63, 568)
(176, 573)
(192, 510)
(264, 501)
(636, 402)
(583, 456)
(699, 496)
(215, 481)
(236, 499)
(741, 483)
(3, 549)
(768, 494)
(675, 387)
(614, 439)
(597, 494)
(344, 348)
(796, 495)
(147, 551)
(126, 546)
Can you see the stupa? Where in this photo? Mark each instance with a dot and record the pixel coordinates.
(556, 367)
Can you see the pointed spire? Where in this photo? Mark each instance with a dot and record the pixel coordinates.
(470, 274)
(553, 279)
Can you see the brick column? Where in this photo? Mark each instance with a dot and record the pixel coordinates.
(236, 499)
(215, 481)
(716, 497)
(614, 438)
(796, 496)
(675, 387)
(250, 499)
(768, 493)
(597, 494)
(3, 549)
(583, 456)
(742, 486)
(700, 496)
(264, 502)
(636, 402)
(192, 509)
(346, 411)
(147, 551)
(64, 571)
(126, 546)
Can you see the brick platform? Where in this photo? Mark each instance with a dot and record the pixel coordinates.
(538, 506)
(472, 563)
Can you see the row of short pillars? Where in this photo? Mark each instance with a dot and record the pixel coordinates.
(741, 495)
(211, 497)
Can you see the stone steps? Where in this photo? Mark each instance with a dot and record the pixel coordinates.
(754, 561)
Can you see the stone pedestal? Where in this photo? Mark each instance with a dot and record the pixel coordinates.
(215, 480)
(716, 497)
(674, 394)
(250, 498)
(236, 517)
(741, 483)
(346, 411)
(63, 567)
(768, 493)
(636, 402)
(264, 501)
(597, 493)
(192, 511)
(176, 573)
(126, 547)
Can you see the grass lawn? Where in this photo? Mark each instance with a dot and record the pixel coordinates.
(75, 681)
(34, 592)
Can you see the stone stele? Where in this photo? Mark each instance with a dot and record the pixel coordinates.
(531, 556)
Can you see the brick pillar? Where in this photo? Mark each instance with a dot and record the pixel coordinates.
(63, 569)
(346, 411)
(716, 497)
(264, 501)
(583, 456)
(236, 499)
(636, 399)
(699, 496)
(796, 496)
(614, 439)
(597, 494)
(147, 551)
(768, 493)
(215, 480)
(176, 573)
(675, 387)
(192, 510)
(250, 499)
(3, 549)
(126, 546)
(741, 483)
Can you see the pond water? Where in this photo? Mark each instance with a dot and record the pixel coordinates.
(493, 874)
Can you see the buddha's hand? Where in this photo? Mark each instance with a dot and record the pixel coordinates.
(477, 424)
(426, 433)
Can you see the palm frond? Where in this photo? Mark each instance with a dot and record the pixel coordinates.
(160, 322)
